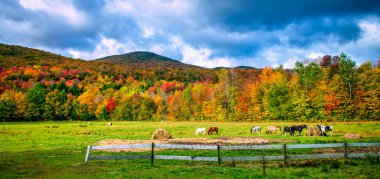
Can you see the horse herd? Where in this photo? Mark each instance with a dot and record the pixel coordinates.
(312, 130)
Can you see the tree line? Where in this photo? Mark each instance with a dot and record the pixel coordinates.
(333, 89)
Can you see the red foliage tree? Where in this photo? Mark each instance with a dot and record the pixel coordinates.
(111, 105)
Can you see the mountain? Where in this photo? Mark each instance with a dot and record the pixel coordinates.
(246, 67)
(237, 67)
(14, 55)
(142, 59)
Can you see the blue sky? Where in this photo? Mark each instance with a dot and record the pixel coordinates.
(208, 33)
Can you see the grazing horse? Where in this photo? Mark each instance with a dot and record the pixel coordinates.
(212, 130)
(200, 130)
(255, 128)
(324, 129)
(298, 128)
(273, 129)
(288, 129)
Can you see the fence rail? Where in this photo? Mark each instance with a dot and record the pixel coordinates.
(181, 146)
(220, 159)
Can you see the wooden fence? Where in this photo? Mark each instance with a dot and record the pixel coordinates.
(218, 148)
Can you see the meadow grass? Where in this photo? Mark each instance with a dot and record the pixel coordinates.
(57, 150)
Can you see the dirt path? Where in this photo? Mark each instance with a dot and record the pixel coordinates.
(197, 141)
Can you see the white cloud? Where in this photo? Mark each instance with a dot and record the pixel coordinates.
(158, 48)
(106, 47)
(190, 55)
(147, 32)
(199, 56)
(152, 16)
(24, 29)
(360, 50)
(59, 8)
(147, 8)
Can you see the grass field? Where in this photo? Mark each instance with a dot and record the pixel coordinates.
(57, 150)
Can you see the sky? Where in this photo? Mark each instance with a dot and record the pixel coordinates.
(207, 33)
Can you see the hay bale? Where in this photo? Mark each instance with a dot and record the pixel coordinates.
(161, 134)
(313, 131)
(352, 136)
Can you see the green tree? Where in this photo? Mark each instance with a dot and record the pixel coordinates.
(308, 76)
(347, 72)
(368, 93)
(278, 101)
(36, 99)
(187, 110)
(53, 109)
(7, 105)
(22, 104)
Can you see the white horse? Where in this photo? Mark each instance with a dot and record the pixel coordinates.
(200, 130)
(256, 128)
(324, 129)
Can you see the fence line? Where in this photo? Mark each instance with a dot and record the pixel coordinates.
(220, 159)
(130, 146)
(182, 146)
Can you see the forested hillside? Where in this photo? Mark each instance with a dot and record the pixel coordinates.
(37, 86)
(145, 60)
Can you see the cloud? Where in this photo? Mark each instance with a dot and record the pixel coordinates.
(244, 15)
(57, 8)
(221, 33)
(365, 48)
(105, 47)
(152, 16)
(199, 56)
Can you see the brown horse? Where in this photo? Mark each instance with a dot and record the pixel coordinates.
(212, 130)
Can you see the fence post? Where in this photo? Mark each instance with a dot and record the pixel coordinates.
(284, 153)
(87, 154)
(345, 150)
(262, 154)
(152, 155)
(218, 147)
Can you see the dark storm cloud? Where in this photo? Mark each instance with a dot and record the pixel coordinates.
(246, 14)
(310, 16)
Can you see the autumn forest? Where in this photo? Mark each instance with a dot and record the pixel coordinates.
(41, 86)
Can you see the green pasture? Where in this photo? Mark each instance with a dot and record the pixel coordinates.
(57, 150)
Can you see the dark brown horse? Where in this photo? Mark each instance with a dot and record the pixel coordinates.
(212, 130)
